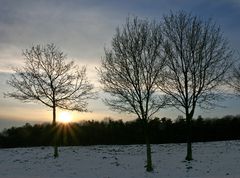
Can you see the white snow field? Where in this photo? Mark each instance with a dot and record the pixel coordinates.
(211, 160)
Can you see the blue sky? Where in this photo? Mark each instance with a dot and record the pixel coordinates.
(82, 29)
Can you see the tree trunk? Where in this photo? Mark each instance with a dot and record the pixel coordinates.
(55, 154)
(149, 167)
(189, 137)
(149, 155)
(54, 115)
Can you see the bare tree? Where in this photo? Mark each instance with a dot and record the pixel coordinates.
(234, 80)
(130, 70)
(197, 60)
(47, 78)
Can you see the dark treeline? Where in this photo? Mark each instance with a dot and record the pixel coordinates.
(118, 132)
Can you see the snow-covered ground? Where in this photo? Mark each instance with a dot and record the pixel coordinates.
(211, 160)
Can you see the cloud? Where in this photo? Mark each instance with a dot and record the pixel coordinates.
(79, 29)
(82, 28)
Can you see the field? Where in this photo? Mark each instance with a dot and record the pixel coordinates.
(211, 160)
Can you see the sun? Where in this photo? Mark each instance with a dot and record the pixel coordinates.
(65, 117)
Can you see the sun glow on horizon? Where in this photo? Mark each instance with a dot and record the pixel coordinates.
(65, 117)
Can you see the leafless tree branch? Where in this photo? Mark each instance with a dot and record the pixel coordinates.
(47, 78)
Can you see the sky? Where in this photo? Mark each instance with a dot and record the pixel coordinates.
(81, 29)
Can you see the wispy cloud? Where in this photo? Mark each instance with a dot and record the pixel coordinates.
(82, 28)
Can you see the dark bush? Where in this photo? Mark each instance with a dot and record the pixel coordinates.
(118, 132)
